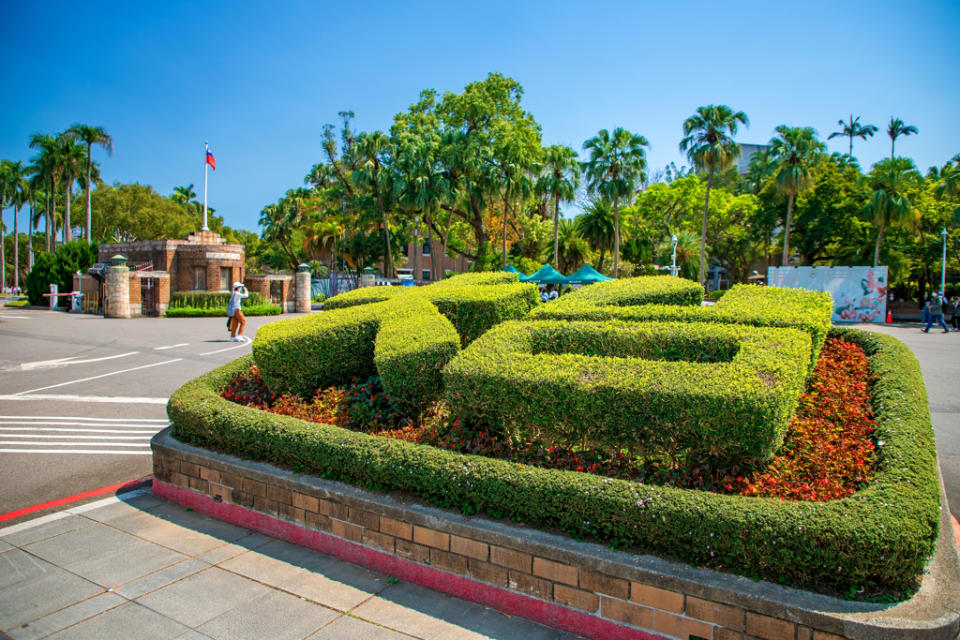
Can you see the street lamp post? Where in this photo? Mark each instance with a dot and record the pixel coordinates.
(673, 268)
(943, 263)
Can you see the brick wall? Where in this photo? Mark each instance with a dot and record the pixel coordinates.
(639, 593)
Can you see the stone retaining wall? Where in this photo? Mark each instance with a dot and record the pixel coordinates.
(580, 587)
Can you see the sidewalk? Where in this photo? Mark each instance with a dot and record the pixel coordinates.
(137, 566)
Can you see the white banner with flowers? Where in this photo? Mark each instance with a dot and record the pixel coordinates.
(859, 293)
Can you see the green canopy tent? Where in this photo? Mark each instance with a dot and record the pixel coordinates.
(546, 275)
(587, 275)
(512, 269)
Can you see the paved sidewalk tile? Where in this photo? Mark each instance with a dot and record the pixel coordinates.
(65, 617)
(203, 596)
(165, 533)
(127, 621)
(48, 530)
(160, 579)
(233, 549)
(39, 589)
(347, 628)
(276, 615)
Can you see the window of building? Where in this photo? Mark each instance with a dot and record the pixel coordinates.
(199, 279)
(426, 248)
(425, 274)
(225, 278)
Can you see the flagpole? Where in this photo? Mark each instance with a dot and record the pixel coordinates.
(206, 150)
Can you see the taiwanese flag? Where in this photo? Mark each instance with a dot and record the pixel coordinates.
(211, 161)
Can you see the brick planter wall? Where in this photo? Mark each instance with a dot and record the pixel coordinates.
(580, 587)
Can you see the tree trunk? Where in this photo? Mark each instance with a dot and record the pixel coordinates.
(386, 228)
(446, 237)
(893, 142)
(851, 147)
(52, 216)
(506, 203)
(876, 250)
(67, 189)
(16, 248)
(3, 244)
(786, 232)
(556, 229)
(89, 163)
(703, 231)
(616, 239)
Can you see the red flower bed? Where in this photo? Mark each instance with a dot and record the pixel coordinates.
(828, 451)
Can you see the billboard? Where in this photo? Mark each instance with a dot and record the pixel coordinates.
(859, 293)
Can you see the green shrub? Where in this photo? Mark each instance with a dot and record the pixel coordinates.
(877, 539)
(717, 393)
(473, 302)
(212, 312)
(58, 269)
(809, 311)
(645, 290)
(211, 299)
(716, 294)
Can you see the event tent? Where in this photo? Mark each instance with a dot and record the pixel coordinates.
(587, 275)
(546, 275)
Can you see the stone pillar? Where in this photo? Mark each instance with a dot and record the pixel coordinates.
(302, 289)
(117, 289)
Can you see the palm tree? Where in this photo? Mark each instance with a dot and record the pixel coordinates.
(368, 149)
(761, 166)
(795, 149)
(183, 195)
(572, 248)
(889, 203)
(18, 193)
(48, 168)
(895, 129)
(596, 226)
(560, 179)
(615, 168)
(853, 129)
(72, 157)
(90, 136)
(708, 142)
(687, 246)
(6, 172)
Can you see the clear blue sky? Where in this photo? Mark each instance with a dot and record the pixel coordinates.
(259, 80)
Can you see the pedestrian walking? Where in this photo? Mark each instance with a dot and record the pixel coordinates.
(955, 309)
(237, 320)
(936, 313)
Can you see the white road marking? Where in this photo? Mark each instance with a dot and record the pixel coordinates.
(172, 346)
(63, 362)
(59, 515)
(70, 398)
(73, 444)
(147, 431)
(105, 375)
(71, 436)
(78, 451)
(82, 419)
(7, 315)
(239, 346)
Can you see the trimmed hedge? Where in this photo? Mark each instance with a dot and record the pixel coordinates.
(753, 305)
(212, 312)
(628, 292)
(211, 299)
(877, 539)
(407, 341)
(473, 302)
(717, 393)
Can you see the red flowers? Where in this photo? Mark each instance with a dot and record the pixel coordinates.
(828, 452)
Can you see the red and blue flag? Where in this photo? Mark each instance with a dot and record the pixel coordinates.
(211, 160)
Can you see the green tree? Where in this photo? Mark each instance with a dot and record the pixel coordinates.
(6, 187)
(72, 158)
(897, 128)
(853, 129)
(688, 247)
(90, 136)
(708, 142)
(570, 248)
(184, 195)
(18, 194)
(596, 226)
(128, 212)
(48, 167)
(795, 150)
(560, 180)
(889, 203)
(616, 166)
(372, 150)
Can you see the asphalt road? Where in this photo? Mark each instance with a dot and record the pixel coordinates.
(81, 395)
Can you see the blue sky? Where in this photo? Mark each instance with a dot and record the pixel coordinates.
(259, 80)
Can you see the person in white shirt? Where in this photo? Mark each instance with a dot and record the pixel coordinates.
(237, 320)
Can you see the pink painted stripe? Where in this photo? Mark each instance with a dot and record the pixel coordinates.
(547, 613)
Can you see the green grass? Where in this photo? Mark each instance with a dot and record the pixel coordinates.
(213, 312)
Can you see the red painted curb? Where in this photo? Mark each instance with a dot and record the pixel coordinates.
(74, 498)
(547, 613)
